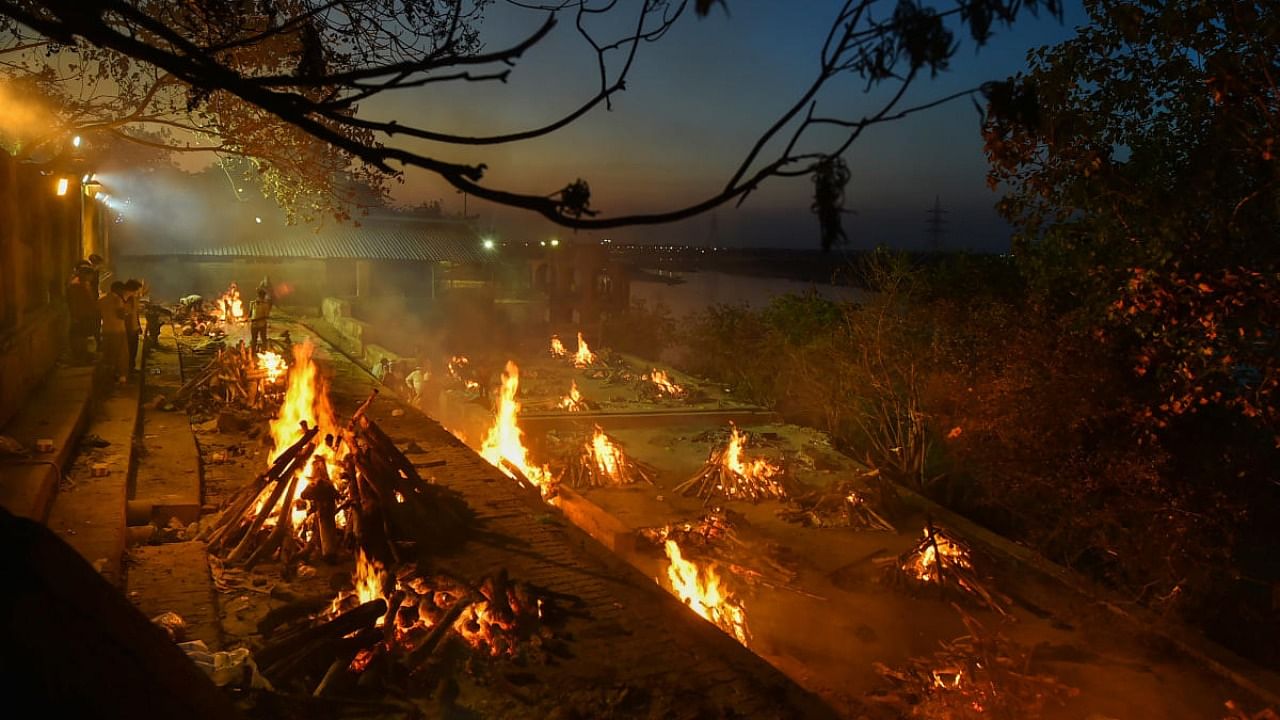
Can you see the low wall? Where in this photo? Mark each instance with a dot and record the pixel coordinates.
(27, 354)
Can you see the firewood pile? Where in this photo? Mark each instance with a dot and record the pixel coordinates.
(728, 475)
(598, 461)
(940, 560)
(235, 376)
(843, 505)
(324, 496)
(404, 629)
(982, 674)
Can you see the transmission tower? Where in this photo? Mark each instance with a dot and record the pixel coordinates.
(935, 224)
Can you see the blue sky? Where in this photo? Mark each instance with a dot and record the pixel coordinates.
(695, 103)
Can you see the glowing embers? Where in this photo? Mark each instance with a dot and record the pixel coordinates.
(940, 560)
(573, 402)
(584, 357)
(503, 446)
(728, 474)
(460, 370)
(700, 588)
(843, 504)
(228, 307)
(661, 385)
(599, 462)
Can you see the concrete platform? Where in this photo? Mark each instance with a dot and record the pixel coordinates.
(57, 411)
(175, 578)
(90, 512)
(168, 469)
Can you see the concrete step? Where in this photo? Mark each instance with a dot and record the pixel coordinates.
(174, 577)
(89, 514)
(57, 411)
(167, 483)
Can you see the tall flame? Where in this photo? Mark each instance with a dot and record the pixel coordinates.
(573, 402)
(274, 365)
(607, 456)
(229, 307)
(664, 383)
(584, 356)
(701, 590)
(504, 439)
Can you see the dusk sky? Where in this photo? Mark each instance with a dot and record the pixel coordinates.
(695, 103)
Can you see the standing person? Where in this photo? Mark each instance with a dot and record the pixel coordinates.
(416, 381)
(259, 313)
(111, 308)
(98, 274)
(134, 290)
(82, 311)
(384, 367)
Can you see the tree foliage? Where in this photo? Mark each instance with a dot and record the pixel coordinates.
(282, 81)
(1143, 182)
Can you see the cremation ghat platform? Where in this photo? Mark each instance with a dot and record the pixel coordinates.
(630, 649)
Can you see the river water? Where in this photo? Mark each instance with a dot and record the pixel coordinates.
(701, 290)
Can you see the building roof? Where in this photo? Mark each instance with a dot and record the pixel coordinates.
(379, 238)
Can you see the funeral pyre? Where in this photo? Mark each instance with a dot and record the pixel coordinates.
(982, 674)
(728, 474)
(574, 402)
(236, 376)
(503, 445)
(598, 461)
(459, 367)
(193, 315)
(657, 384)
(346, 492)
(843, 505)
(941, 560)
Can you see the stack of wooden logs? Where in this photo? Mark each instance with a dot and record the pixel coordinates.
(716, 479)
(941, 560)
(391, 509)
(843, 505)
(232, 376)
(583, 466)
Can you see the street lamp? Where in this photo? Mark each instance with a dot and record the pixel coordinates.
(555, 242)
(63, 183)
(488, 243)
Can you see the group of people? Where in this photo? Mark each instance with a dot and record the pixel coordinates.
(411, 385)
(111, 318)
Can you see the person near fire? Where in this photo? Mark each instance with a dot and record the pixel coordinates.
(111, 309)
(98, 275)
(416, 381)
(259, 314)
(133, 320)
(82, 309)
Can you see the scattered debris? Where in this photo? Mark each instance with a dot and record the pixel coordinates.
(843, 505)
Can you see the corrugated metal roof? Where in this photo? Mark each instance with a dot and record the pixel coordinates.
(380, 239)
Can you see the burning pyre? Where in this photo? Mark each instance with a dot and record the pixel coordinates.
(573, 402)
(658, 384)
(235, 376)
(328, 488)
(228, 307)
(726, 474)
(460, 370)
(503, 446)
(940, 560)
(599, 462)
(557, 348)
(700, 588)
(841, 506)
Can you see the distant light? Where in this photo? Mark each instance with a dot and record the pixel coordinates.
(258, 220)
(62, 186)
(488, 243)
(85, 180)
(555, 242)
(543, 243)
(99, 195)
(75, 141)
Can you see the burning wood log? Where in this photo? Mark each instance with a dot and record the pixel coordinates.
(727, 475)
(599, 462)
(841, 506)
(940, 560)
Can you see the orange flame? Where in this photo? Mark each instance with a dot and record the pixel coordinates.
(700, 589)
(557, 347)
(229, 307)
(607, 456)
(573, 402)
(664, 383)
(759, 469)
(924, 565)
(584, 356)
(503, 441)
